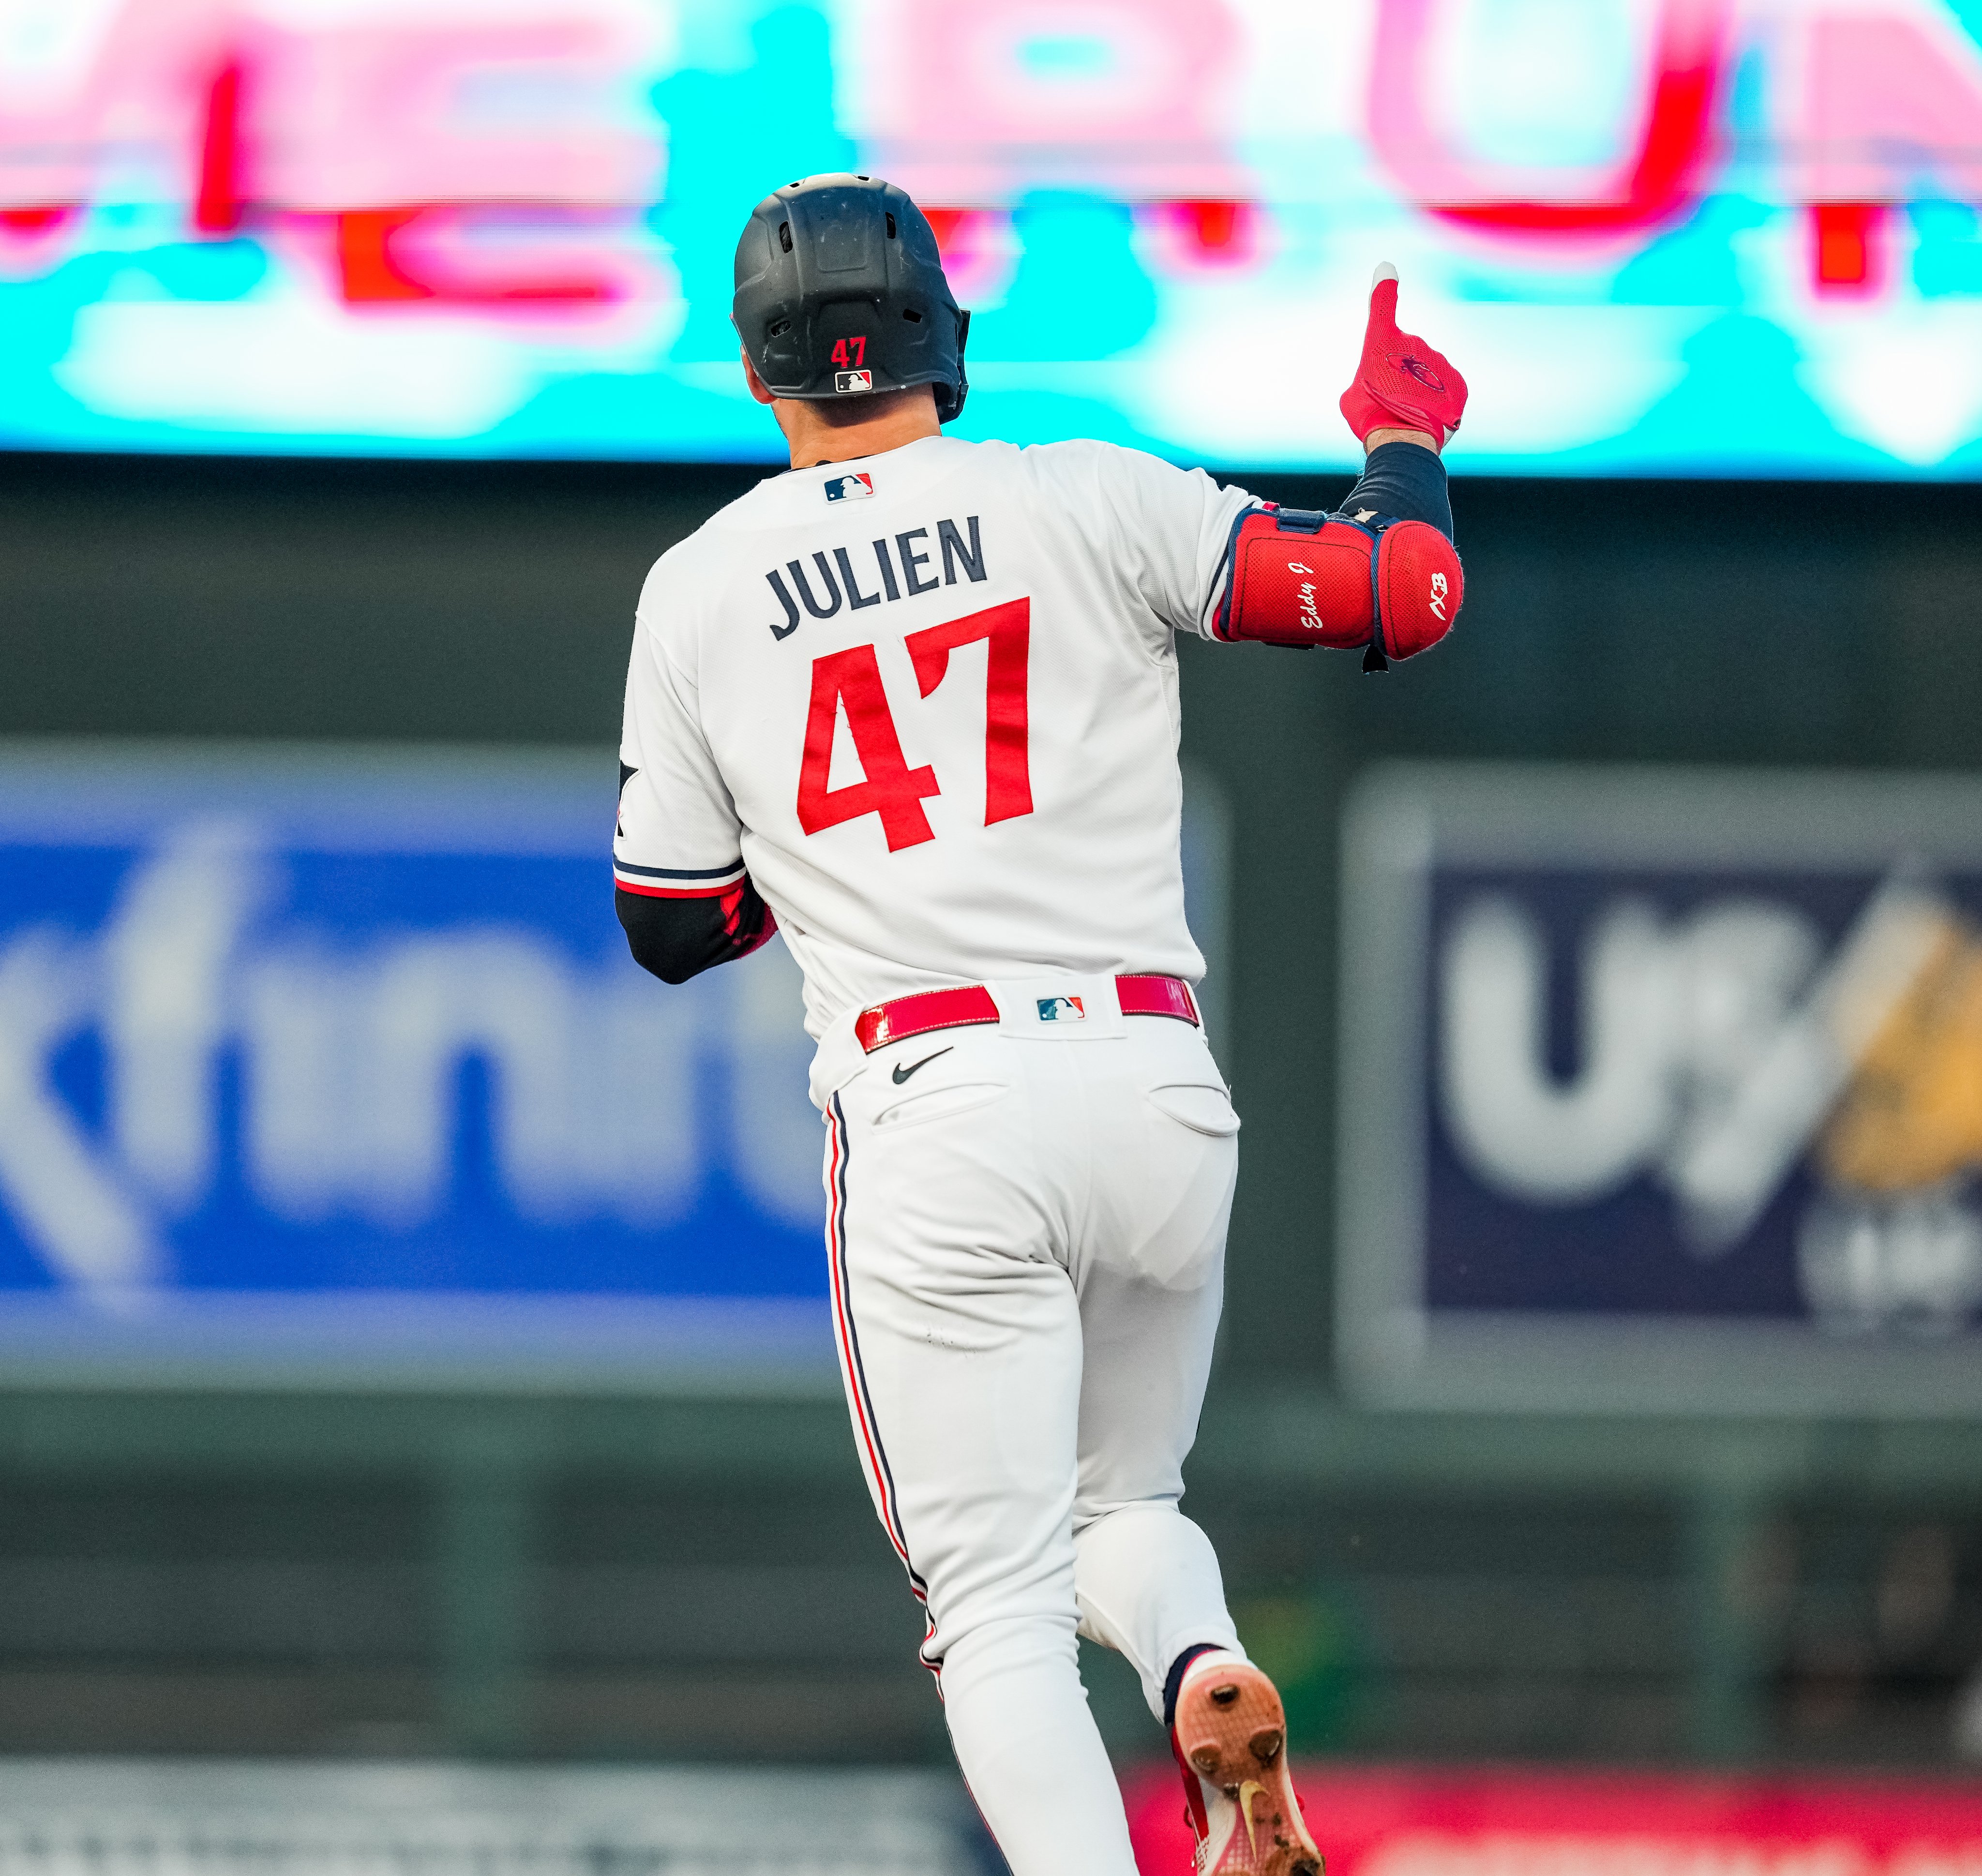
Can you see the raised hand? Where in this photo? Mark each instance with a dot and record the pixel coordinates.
(1401, 382)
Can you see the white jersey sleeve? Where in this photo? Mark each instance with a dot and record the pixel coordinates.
(1168, 530)
(678, 835)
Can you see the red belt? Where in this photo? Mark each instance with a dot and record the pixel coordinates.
(902, 1016)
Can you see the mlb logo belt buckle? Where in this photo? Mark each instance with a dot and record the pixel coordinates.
(923, 1011)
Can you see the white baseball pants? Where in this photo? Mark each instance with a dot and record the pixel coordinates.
(1027, 1232)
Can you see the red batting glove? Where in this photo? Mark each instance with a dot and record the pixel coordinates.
(1401, 383)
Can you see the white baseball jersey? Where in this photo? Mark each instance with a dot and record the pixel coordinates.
(928, 700)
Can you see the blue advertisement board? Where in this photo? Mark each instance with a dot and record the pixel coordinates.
(331, 1066)
(342, 1056)
(1663, 1091)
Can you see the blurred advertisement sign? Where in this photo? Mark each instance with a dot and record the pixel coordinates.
(1666, 235)
(330, 1066)
(340, 1056)
(1662, 1091)
(1379, 1821)
(129, 1817)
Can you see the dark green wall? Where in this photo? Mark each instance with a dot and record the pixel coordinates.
(169, 596)
(1715, 621)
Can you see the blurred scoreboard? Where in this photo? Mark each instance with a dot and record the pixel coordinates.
(1733, 236)
(1662, 1091)
(330, 1066)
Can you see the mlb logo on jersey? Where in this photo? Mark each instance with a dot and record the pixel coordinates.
(853, 381)
(1061, 1009)
(855, 488)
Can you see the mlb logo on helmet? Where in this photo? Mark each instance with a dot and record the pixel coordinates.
(853, 381)
(1061, 1009)
(855, 488)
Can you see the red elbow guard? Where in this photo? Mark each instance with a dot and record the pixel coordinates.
(1298, 577)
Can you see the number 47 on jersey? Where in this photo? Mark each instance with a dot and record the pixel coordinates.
(851, 679)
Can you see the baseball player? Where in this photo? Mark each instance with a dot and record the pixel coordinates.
(914, 704)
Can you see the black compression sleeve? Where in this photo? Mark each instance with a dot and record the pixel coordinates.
(1406, 481)
(678, 939)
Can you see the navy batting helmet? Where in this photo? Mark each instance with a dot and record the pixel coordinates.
(840, 290)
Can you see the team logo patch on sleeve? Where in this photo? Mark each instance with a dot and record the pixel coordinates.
(853, 381)
(1061, 1009)
(855, 488)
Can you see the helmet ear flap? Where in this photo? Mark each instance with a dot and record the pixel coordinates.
(948, 403)
(1420, 587)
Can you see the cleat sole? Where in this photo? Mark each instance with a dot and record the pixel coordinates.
(1232, 1729)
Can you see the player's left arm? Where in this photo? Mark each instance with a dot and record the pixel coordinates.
(1380, 572)
(680, 888)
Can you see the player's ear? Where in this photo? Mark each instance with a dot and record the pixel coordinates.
(759, 390)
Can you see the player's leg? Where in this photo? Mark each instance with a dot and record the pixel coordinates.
(960, 1339)
(1150, 1270)
(1147, 1577)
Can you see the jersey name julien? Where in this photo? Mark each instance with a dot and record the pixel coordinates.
(928, 702)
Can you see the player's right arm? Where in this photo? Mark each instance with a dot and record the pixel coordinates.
(679, 885)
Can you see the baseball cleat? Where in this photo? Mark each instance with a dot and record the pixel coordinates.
(1230, 1740)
